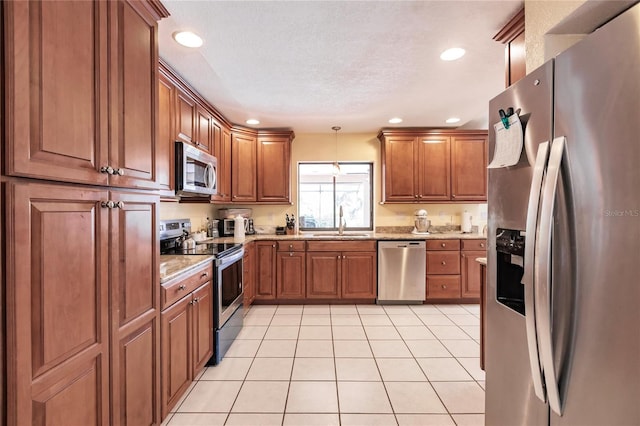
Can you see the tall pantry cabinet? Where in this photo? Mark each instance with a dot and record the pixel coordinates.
(80, 212)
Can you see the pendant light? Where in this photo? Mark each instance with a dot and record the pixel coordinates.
(336, 165)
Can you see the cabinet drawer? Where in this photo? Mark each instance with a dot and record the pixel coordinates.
(477, 245)
(443, 263)
(443, 287)
(291, 245)
(443, 245)
(179, 287)
(369, 245)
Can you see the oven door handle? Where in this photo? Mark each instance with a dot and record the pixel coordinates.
(230, 259)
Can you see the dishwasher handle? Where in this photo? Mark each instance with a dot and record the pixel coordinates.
(421, 245)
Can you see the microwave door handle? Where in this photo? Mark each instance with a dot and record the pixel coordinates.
(543, 272)
(206, 176)
(212, 176)
(529, 280)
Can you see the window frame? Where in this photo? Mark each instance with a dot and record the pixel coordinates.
(335, 217)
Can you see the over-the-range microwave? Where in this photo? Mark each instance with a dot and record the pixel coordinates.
(196, 172)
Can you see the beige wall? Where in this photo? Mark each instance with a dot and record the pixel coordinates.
(539, 17)
(321, 147)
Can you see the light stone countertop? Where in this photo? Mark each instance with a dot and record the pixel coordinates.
(355, 236)
(172, 265)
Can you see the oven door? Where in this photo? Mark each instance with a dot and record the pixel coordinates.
(196, 171)
(229, 287)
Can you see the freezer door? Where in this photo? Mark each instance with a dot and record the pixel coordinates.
(597, 93)
(510, 397)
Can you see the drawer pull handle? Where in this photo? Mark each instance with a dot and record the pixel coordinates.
(182, 287)
(443, 245)
(444, 287)
(444, 263)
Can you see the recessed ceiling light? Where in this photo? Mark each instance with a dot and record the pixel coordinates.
(252, 121)
(452, 54)
(187, 38)
(395, 120)
(452, 120)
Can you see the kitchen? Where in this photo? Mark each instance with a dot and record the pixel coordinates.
(115, 315)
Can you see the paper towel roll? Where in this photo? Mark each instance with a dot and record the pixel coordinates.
(466, 221)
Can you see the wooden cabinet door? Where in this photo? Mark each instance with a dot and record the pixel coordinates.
(359, 275)
(165, 144)
(222, 151)
(57, 305)
(185, 118)
(204, 127)
(265, 284)
(133, 62)
(324, 275)
(291, 275)
(59, 133)
(202, 327)
(135, 301)
(243, 168)
(400, 169)
(469, 168)
(434, 154)
(274, 170)
(176, 353)
(248, 275)
(470, 273)
(443, 287)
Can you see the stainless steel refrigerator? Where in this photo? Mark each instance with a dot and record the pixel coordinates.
(563, 292)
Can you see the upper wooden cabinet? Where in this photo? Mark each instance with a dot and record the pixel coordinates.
(96, 121)
(512, 36)
(469, 167)
(274, 167)
(243, 167)
(425, 165)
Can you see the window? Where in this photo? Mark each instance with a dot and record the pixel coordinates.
(321, 194)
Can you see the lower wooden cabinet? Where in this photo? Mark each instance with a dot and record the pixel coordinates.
(341, 270)
(452, 272)
(187, 335)
(249, 275)
(265, 270)
(290, 270)
(82, 306)
(323, 275)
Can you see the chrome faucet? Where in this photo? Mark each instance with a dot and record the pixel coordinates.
(341, 223)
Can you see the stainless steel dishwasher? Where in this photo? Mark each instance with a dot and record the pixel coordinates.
(402, 271)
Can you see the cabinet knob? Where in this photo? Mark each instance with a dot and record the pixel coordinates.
(443, 244)
(290, 246)
(444, 287)
(453, 195)
(444, 263)
(204, 274)
(290, 254)
(415, 196)
(344, 257)
(106, 169)
(107, 204)
(119, 172)
(182, 287)
(482, 245)
(191, 302)
(196, 300)
(119, 205)
(338, 257)
(273, 245)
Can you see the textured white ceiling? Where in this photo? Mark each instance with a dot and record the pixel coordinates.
(310, 65)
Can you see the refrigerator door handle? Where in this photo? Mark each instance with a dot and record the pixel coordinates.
(528, 279)
(543, 273)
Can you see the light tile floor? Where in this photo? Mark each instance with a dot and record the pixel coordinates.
(344, 365)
